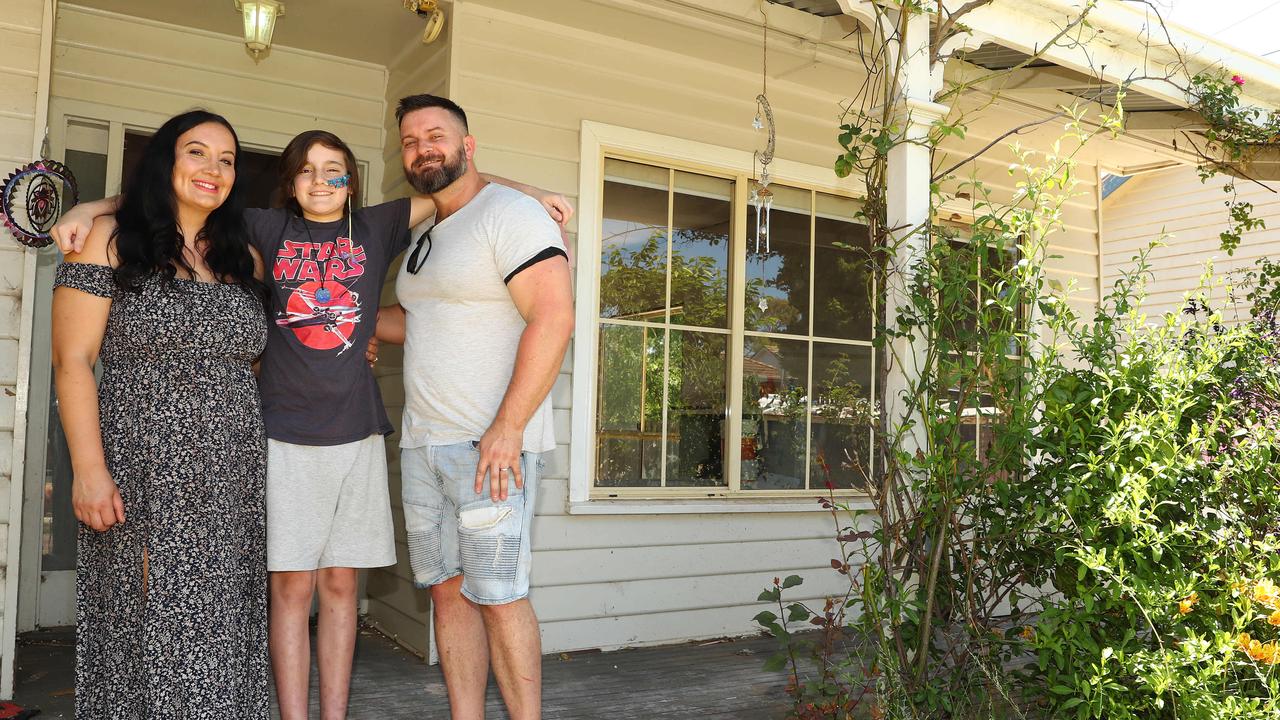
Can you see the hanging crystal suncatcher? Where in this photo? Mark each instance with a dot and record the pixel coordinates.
(761, 195)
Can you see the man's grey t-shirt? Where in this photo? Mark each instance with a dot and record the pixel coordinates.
(325, 284)
(462, 327)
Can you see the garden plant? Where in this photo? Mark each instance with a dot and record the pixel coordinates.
(1091, 525)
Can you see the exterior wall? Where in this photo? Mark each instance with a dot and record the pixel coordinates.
(395, 606)
(527, 84)
(1174, 201)
(1072, 264)
(24, 83)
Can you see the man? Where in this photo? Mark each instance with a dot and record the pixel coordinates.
(485, 313)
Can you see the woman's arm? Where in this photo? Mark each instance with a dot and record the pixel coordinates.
(79, 323)
(556, 205)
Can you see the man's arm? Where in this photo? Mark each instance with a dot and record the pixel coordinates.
(543, 295)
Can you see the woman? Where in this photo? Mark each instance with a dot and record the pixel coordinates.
(168, 450)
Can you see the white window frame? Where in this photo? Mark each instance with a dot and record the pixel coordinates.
(597, 141)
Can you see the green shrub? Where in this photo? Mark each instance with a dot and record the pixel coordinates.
(1159, 460)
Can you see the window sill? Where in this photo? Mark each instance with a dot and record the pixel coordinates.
(716, 506)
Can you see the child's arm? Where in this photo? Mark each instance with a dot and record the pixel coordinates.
(556, 205)
(74, 225)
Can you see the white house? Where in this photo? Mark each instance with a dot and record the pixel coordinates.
(668, 504)
(1175, 202)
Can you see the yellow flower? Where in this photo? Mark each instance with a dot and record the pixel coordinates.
(1262, 652)
(1274, 618)
(1185, 605)
(1267, 593)
(1028, 633)
(1268, 653)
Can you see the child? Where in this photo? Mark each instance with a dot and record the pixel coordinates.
(328, 510)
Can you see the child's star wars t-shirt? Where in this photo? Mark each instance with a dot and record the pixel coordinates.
(325, 285)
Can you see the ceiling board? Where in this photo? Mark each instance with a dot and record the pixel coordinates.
(821, 8)
(373, 31)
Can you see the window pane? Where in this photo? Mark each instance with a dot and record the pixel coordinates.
(774, 403)
(778, 271)
(841, 271)
(629, 406)
(958, 297)
(697, 402)
(843, 414)
(1000, 311)
(968, 418)
(633, 256)
(701, 213)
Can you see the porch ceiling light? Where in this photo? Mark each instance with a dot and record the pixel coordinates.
(429, 9)
(259, 22)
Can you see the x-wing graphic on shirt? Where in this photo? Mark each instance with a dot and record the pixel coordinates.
(322, 325)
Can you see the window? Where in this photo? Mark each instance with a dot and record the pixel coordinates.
(719, 368)
(976, 274)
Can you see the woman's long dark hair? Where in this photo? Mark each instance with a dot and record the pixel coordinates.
(147, 238)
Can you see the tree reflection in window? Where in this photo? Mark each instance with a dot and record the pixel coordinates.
(665, 263)
(666, 337)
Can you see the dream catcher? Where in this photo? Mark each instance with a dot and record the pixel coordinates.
(32, 199)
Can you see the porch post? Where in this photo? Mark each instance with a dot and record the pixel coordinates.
(17, 469)
(907, 205)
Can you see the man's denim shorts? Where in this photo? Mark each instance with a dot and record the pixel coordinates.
(453, 531)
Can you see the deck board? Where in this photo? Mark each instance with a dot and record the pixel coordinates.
(704, 680)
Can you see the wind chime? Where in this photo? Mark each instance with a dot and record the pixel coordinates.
(761, 195)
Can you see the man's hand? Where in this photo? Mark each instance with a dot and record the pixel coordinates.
(500, 460)
(558, 207)
(72, 228)
(96, 499)
(371, 352)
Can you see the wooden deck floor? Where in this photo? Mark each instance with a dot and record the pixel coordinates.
(701, 680)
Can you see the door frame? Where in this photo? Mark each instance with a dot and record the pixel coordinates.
(118, 120)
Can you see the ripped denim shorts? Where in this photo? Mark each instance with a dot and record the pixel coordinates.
(453, 531)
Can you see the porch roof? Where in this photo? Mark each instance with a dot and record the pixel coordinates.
(1126, 42)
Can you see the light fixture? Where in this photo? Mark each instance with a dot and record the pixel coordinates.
(259, 22)
(429, 9)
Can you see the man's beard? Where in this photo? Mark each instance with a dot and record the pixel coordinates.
(430, 181)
